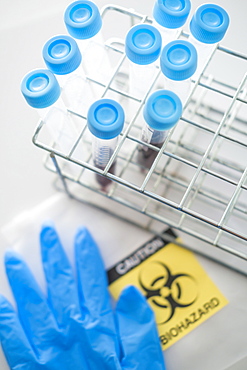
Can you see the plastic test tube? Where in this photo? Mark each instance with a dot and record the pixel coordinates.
(178, 63)
(83, 21)
(169, 17)
(41, 90)
(208, 26)
(63, 57)
(142, 47)
(105, 122)
(161, 112)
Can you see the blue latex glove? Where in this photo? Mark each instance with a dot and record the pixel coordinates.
(74, 327)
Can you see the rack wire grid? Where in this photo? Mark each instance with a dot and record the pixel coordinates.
(197, 183)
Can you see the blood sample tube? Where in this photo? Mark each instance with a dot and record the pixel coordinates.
(105, 121)
(178, 63)
(161, 112)
(63, 57)
(169, 17)
(41, 90)
(208, 26)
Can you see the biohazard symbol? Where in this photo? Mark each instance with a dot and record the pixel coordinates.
(166, 292)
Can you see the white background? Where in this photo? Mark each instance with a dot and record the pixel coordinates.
(25, 25)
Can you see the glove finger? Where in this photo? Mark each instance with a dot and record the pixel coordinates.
(138, 333)
(62, 290)
(34, 313)
(14, 342)
(95, 301)
(92, 282)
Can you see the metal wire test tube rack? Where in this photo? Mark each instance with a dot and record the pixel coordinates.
(198, 181)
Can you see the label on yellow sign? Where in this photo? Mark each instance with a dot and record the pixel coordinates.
(174, 283)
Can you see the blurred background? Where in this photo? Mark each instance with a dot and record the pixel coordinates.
(25, 25)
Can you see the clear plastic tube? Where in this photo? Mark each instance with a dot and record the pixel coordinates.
(161, 112)
(63, 57)
(97, 39)
(178, 63)
(77, 92)
(60, 125)
(83, 21)
(146, 155)
(142, 46)
(207, 27)
(204, 52)
(167, 34)
(169, 18)
(96, 62)
(102, 151)
(181, 88)
(140, 78)
(105, 122)
(41, 90)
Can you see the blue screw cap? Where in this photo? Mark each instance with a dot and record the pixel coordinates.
(171, 13)
(105, 119)
(40, 88)
(162, 110)
(209, 23)
(143, 44)
(61, 55)
(178, 60)
(82, 19)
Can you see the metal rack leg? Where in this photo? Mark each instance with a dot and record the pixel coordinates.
(59, 172)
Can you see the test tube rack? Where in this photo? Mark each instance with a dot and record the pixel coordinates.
(197, 184)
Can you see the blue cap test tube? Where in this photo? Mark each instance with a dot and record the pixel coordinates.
(208, 27)
(41, 90)
(169, 17)
(178, 63)
(63, 57)
(83, 22)
(105, 121)
(142, 47)
(161, 113)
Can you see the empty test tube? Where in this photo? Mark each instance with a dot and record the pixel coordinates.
(208, 26)
(83, 21)
(105, 121)
(169, 17)
(161, 112)
(178, 63)
(63, 57)
(142, 47)
(41, 90)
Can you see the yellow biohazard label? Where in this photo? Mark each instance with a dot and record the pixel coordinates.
(175, 285)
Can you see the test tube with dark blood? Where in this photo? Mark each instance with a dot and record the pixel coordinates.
(161, 112)
(105, 121)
